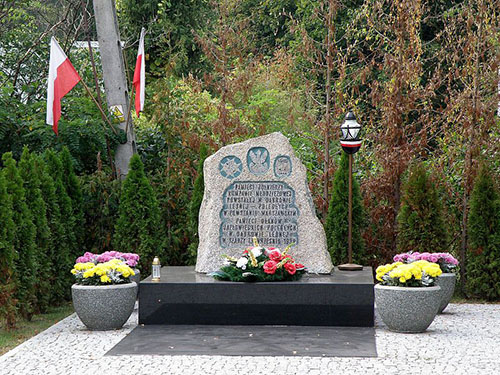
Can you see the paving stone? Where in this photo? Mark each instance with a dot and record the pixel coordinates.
(462, 341)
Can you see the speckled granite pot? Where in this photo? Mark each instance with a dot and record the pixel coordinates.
(104, 307)
(409, 310)
(447, 283)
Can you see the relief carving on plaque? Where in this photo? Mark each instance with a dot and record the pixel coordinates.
(282, 166)
(258, 160)
(230, 167)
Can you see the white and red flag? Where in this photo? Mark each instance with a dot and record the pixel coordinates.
(140, 76)
(62, 78)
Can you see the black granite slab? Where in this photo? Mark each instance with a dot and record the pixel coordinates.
(248, 341)
(183, 296)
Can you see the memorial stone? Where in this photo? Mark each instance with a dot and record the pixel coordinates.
(258, 188)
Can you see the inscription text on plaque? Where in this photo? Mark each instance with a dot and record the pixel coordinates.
(262, 209)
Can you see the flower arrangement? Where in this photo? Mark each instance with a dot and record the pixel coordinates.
(114, 271)
(130, 259)
(261, 264)
(446, 261)
(419, 273)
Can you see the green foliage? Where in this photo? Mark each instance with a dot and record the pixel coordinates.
(139, 228)
(195, 203)
(420, 219)
(35, 202)
(336, 226)
(74, 191)
(7, 257)
(101, 197)
(57, 249)
(483, 268)
(171, 27)
(66, 242)
(24, 239)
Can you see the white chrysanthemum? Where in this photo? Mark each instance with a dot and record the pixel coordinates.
(242, 263)
(256, 251)
(226, 262)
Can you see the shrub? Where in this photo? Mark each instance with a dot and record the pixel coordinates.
(139, 227)
(38, 209)
(24, 239)
(57, 248)
(101, 197)
(74, 191)
(66, 242)
(483, 266)
(336, 226)
(420, 219)
(7, 257)
(195, 204)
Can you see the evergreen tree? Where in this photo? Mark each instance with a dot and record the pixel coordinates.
(483, 275)
(7, 258)
(195, 204)
(24, 239)
(65, 242)
(57, 244)
(74, 191)
(420, 218)
(336, 226)
(139, 227)
(36, 204)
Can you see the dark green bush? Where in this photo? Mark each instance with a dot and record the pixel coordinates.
(66, 244)
(195, 204)
(58, 247)
(24, 239)
(483, 260)
(7, 257)
(36, 204)
(72, 185)
(336, 226)
(420, 219)
(139, 228)
(101, 197)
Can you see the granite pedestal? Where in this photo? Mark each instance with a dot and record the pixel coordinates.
(183, 296)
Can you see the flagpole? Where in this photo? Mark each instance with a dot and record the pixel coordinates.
(129, 109)
(98, 106)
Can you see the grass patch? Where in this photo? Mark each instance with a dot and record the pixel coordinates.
(26, 330)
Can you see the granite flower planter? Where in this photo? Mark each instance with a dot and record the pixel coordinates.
(407, 309)
(104, 307)
(447, 283)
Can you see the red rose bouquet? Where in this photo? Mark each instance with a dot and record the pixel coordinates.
(261, 264)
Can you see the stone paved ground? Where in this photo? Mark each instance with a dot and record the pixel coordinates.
(464, 340)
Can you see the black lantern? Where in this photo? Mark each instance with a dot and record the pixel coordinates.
(350, 143)
(350, 140)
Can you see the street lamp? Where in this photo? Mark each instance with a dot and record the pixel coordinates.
(350, 143)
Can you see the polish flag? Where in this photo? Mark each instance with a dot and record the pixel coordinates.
(140, 76)
(62, 78)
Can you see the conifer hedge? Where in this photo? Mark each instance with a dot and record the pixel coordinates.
(483, 263)
(336, 226)
(66, 245)
(38, 209)
(420, 218)
(24, 239)
(7, 257)
(195, 204)
(58, 250)
(139, 228)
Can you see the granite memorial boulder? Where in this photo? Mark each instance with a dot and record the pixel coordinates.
(258, 188)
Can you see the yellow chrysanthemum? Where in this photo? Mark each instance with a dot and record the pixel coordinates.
(88, 273)
(105, 279)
